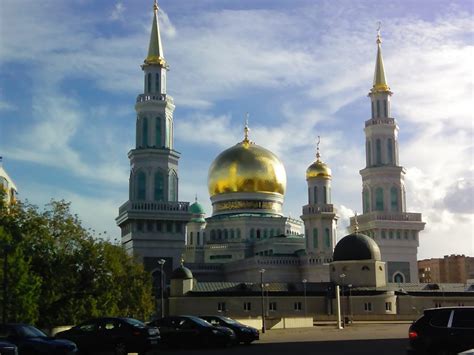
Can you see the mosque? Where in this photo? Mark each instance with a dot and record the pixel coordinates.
(247, 231)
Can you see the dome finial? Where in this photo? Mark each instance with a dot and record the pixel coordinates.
(155, 49)
(356, 222)
(196, 198)
(380, 81)
(318, 155)
(182, 260)
(246, 129)
(379, 26)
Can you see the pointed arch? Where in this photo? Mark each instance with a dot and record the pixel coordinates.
(158, 138)
(145, 132)
(378, 151)
(173, 186)
(390, 151)
(327, 238)
(159, 186)
(394, 199)
(379, 204)
(315, 238)
(141, 186)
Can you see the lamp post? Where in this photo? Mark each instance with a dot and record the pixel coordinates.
(267, 299)
(342, 276)
(350, 302)
(263, 299)
(161, 262)
(304, 292)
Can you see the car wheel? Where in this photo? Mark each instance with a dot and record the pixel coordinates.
(120, 348)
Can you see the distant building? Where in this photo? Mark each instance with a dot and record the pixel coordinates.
(7, 185)
(451, 268)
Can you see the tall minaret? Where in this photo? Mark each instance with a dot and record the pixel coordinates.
(384, 215)
(319, 215)
(153, 221)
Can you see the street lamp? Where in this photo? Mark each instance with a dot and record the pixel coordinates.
(263, 299)
(304, 292)
(161, 262)
(342, 276)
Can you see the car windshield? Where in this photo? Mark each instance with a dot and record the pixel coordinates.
(134, 322)
(28, 331)
(200, 321)
(229, 320)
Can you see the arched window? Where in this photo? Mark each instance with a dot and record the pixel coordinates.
(157, 83)
(398, 278)
(252, 233)
(158, 132)
(394, 199)
(159, 187)
(379, 199)
(327, 238)
(315, 194)
(238, 233)
(373, 111)
(325, 194)
(191, 238)
(149, 83)
(145, 132)
(309, 195)
(141, 186)
(366, 200)
(213, 234)
(365, 268)
(369, 154)
(390, 150)
(219, 234)
(173, 186)
(265, 233)
(315, 238)
(198, 239)
(258, 233)
(226, 234)
(232, 236)
(167, 133)
(378, 108)
(385, 111)
(378, 152)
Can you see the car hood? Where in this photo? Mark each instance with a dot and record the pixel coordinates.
(52, 341)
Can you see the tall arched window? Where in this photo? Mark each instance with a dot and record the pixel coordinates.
(148, 83)
(366, 200)
(309, 195)
(390, 151)
(258, 233)
(157, 83)
(145, 132)
(385, 111)
(173, 186)
(167, 133)
(315, 194)
(191, 238)
(238, 233)
(368, 153)
(158, 132)
(315, 238)
(141, 186)
(394, 198)
(378, 108)
(325, 194)
(378, 152)
(226, 234)
(327, 238)
(398, 278)
(373, 111)
(213, 234)
(198, 242)
(379, 199)
(159, 186)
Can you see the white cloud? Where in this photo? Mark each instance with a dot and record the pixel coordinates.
(117, 12)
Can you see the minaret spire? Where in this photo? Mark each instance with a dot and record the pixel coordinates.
(380, 81)
(318, 155)
(155, 49)
(246, 129)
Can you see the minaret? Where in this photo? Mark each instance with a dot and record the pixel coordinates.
(153, 220)
(319, 215)
(384, 215)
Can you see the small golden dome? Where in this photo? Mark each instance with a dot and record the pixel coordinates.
(318, 169)
(246, 167)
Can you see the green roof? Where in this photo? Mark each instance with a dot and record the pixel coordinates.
(196, 208)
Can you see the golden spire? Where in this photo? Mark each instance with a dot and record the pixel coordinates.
(318, 156)
(155, 49)
(380, 81)
(182, 260)
(246, 130)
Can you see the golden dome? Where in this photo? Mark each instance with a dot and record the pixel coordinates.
(246, 167)
(318, 169)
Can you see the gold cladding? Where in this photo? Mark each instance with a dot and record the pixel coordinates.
(246, 205)
(246, 167)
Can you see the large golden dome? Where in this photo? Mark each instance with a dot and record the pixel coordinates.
(246, 167)
(318, 169)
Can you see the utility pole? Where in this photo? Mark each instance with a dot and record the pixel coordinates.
(161, 262)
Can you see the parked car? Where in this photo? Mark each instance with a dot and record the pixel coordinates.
(244, 333)
(193, 331)
(120, 335)
(446, 330)
(32, 341)
(7, 348)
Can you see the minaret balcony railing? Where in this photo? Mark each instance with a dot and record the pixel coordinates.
(318, 208)
(387, 216)
(146, 97)
(151, 206)
(377, 121)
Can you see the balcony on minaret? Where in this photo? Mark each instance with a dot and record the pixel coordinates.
(318, 209)
(380, 121)
(158, 97)
(153, 206)
(386, 216)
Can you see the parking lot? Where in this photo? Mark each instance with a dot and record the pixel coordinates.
(363, 339)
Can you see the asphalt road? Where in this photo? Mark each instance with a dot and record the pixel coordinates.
(363, 339)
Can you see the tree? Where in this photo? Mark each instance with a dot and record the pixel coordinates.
(72, 275)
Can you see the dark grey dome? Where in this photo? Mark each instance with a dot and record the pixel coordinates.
(356, 246)
(182, 273)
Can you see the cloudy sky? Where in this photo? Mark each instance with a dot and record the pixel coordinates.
(69, 75)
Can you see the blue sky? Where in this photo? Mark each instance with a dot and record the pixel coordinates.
(69, 75)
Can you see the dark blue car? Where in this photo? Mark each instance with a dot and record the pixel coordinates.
(32, 341)
(7, 348)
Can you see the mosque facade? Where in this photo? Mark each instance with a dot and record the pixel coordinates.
(247, 235)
